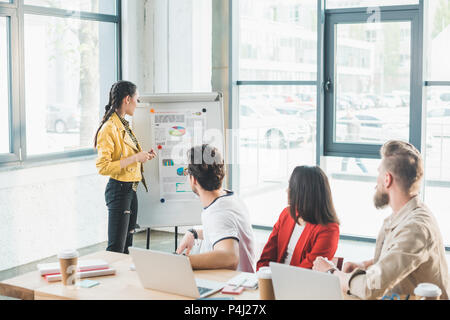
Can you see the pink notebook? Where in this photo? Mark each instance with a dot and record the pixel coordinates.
(83, 274)
(83, 265)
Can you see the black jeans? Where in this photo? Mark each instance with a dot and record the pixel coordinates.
(122, 204)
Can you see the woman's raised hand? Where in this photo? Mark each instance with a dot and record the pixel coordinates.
(142, 157)
(152, 154)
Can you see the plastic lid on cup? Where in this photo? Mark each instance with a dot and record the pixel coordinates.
(68, 254)
(264, 273)
(427, 290)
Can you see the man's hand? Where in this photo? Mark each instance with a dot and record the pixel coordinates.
(322, 264)
(351, 266)
(187, 243)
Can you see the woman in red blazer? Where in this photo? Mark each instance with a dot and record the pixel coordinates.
(308, 227)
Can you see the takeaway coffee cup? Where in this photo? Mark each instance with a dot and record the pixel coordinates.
(265, 284)
(68, 262)
(427, 291)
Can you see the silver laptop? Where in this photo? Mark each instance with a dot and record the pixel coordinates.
(170, 273)
(295, 283)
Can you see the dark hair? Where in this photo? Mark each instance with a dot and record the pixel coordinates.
(404, 161)
(310, 196)
(206, 166)
(119, 91)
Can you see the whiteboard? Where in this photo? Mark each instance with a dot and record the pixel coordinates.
(163, 206)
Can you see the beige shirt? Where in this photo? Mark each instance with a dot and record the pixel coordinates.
(409, 251)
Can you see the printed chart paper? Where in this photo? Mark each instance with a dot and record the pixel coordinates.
(175, 132)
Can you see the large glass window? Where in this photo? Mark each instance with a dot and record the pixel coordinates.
(437, 161)
(277, 115)
(373, 85)
(278, 39)
(438, 40)
(277, 133)
(437, 168)
(4, 87)
(353, 182)
(95, 6)
(70, 60)
(373, 63)
(69, 67)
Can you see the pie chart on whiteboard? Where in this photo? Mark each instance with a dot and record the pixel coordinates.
(177, 131)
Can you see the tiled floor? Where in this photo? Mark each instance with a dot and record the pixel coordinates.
(165, 241)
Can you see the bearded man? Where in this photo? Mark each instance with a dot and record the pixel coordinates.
(409, 248)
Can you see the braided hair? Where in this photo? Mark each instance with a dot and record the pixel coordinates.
(118, 92)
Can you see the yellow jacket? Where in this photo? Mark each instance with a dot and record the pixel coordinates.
(113, 145)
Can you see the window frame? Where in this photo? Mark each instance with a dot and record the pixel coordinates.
(7, 11)
(17, 11)
(411, 13)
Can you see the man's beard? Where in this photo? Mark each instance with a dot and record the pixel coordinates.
(380, 199)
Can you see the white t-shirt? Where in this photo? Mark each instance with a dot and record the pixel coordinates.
(295, 236)
(227, 217)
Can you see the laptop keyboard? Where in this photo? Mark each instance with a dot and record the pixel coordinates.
(202, 290)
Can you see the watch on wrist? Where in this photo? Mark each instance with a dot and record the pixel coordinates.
(194, 233)
(332, 270)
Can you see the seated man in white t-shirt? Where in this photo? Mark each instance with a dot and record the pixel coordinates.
(228, 240)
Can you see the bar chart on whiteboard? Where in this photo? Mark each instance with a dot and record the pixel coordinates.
(175, 132)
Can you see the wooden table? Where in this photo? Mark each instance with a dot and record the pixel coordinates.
(124, 285)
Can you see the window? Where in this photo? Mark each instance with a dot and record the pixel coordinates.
(438, 40)
(95, 6)
(269, 36)
(370, 70)
(70, 60)
(352, 182)
(276, 114)
(4, 87)
(369, 105)
(65, 83)
(437, 169)
(335, 4)
(378, 82)
(277, 126)
(437, 157)
(437, 161)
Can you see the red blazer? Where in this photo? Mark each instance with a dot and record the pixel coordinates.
(316, 240)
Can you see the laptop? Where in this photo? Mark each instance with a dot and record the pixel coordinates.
(295, 283)
(170, 273)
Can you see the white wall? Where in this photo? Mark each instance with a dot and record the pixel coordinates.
(44, 209)
(171, 50)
